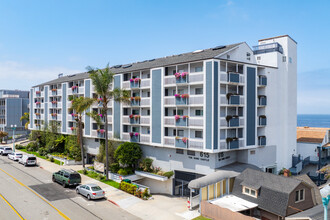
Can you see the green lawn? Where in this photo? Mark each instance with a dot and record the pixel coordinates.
(100, 178)
(201, 218)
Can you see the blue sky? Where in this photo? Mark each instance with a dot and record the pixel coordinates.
(39, 39)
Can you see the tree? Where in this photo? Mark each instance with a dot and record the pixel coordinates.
(102, 80)
(80, 105)
(2, 135)
(26, 117)
(128, 154)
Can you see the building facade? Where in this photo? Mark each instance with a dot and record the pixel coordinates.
(192, 112)
(13, 104)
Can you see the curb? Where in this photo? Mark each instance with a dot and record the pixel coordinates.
(113, 202)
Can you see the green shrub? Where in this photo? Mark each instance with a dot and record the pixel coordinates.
(128, 154)
(146, 164)
(128, 187)
(51, 159)
(42, 151)
(100, 177)
(85, 172)
(114, 167)
(33, 146)
(145, 194)
(122, 172)
(168, 174)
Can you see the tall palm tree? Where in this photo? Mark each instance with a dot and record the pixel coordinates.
(80, 105)
(26, 117)
(102, 80)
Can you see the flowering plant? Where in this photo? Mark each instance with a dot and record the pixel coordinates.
(74, 115)
(131, 116)
(73, 128)
(177, 138)
(100, 131)
(131, 80)
(100, 99)
(100, 115)
(131, 134)
(74, 87)
(136, 80)
(184, 140)
(185, 96)
(185, 116)
(177, 75)
(137, 98)
(54, 90)
(177, 117)
(38, 92)
(53, 114)
(132, 98)
(184, 74)
(137, 117)
(136, 134)
(37, 103)
(54, 102)
(37, 113)
(177, 95)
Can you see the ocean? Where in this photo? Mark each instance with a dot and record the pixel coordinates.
(321, 121)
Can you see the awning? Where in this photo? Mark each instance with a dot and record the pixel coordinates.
(234, 203)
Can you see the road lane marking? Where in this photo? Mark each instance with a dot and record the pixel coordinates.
(22, 184)
(12, 207)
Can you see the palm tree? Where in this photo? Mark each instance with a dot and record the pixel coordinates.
(102, 80)
(80, 105)
(26, 117)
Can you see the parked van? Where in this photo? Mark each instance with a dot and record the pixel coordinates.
(28, 160)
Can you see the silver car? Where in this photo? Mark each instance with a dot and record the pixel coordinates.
(91, 191)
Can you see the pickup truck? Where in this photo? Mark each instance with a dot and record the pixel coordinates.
(67, 177)
(5, 151)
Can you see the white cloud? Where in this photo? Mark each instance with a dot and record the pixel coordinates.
(15, 75)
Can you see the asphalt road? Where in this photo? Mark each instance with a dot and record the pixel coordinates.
(28, 193)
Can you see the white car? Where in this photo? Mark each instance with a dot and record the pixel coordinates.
(5, 151)
(15, 156)
(28, 159)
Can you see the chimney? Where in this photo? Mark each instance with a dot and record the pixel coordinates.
(286, 173)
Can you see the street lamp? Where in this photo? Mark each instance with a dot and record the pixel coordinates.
(325, 193)
(14, 128)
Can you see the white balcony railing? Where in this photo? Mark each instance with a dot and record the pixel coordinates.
(145, 82)
(145, 120)
(224, 100)
(145, 101)
(196, 121)
(169, 80)
(126, 85)
(169, 120)
(109, 119)
(196, 99)
(126, 119)
(126, 136)
(145, 138)
(169, 100)
(224, 78)
(196, 78)
(169, 141)
(195, 143)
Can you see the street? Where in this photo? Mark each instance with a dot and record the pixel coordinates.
(28, 193)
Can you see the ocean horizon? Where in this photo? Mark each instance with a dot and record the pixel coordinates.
(310, 120)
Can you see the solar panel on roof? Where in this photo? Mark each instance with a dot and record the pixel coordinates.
(126, 66)
(218, 47)
(117, 66)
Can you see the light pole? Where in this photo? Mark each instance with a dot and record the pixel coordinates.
(325, 193)
(14, 128)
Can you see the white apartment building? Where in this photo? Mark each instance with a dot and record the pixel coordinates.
(193, 112)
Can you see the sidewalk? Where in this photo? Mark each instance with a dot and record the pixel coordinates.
(160, 207)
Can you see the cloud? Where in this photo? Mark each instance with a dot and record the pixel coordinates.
(16, 75)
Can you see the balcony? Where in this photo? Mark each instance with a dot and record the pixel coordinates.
(74, 90)
(196, 121)
(233, 77)
(145, 138)
(262, 81)
(145, 120)
(232, 143)
(109, 119)
(181, 142)
(197, 100)
(145, 101)
(169, 100)
(233, 121)
(168, 80)
(169, 141)
(262, 140)
(126, 136)
(145, 83)
(135, 83)
(262, 101)
(196, 78)
(126, 119)
(262, 120)
(135, 119)
(195, 143)
(72, 130)
(135, 101)
(234, 100)
(181, 99)
(134, 137)
(100, 133)
(169, 121)
(181, 121)
(126, 85)
(267, 48)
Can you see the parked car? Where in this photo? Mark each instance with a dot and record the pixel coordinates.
(5, 151)
(15, 156)
(67, 177)
(91, 191)
(28, 159)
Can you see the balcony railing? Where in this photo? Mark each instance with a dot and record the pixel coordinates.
(145, 83)
(196, 78)
(181, 101)
(145, 138)
(196, 100)
(262, 81)
(181, 79)
(126, 119)
(135, 103)
(195, 143)
(262, 141)
(169, 120)
(180, 143)
(181, 122)
(234, 100)
(145, 120)
(135, 84)
(126, 136)
(169, 141)
(233, 144)
(267, 48)
(169, 100)
(135, 121)
(169, 80)
(233, 122)
(262, 101)
(126, 85)
(233, 77)
(145, 101)
(134, 138)
(196, 121)
(262, 121)
(109, 118)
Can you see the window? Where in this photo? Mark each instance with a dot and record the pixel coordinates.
(126, 110)
(135, 129)
(180, 111)
(300, 195)
(148, 94)
(228, 56)
(166, 111)
(191, 153)
(198, 69)
(198, 134)
(180, 133)
(125, 128)
(179, 151)
(250, 192)
(166, 132)
(148, 112)
(174, 132)
(199, 91)
(199, 112)
(96, 140)
(284, 59)
(290, 60)
(258, 58)
(166, 92)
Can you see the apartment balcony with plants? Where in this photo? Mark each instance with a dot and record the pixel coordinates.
(184, 74)
(76, 87)
(55, 90)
